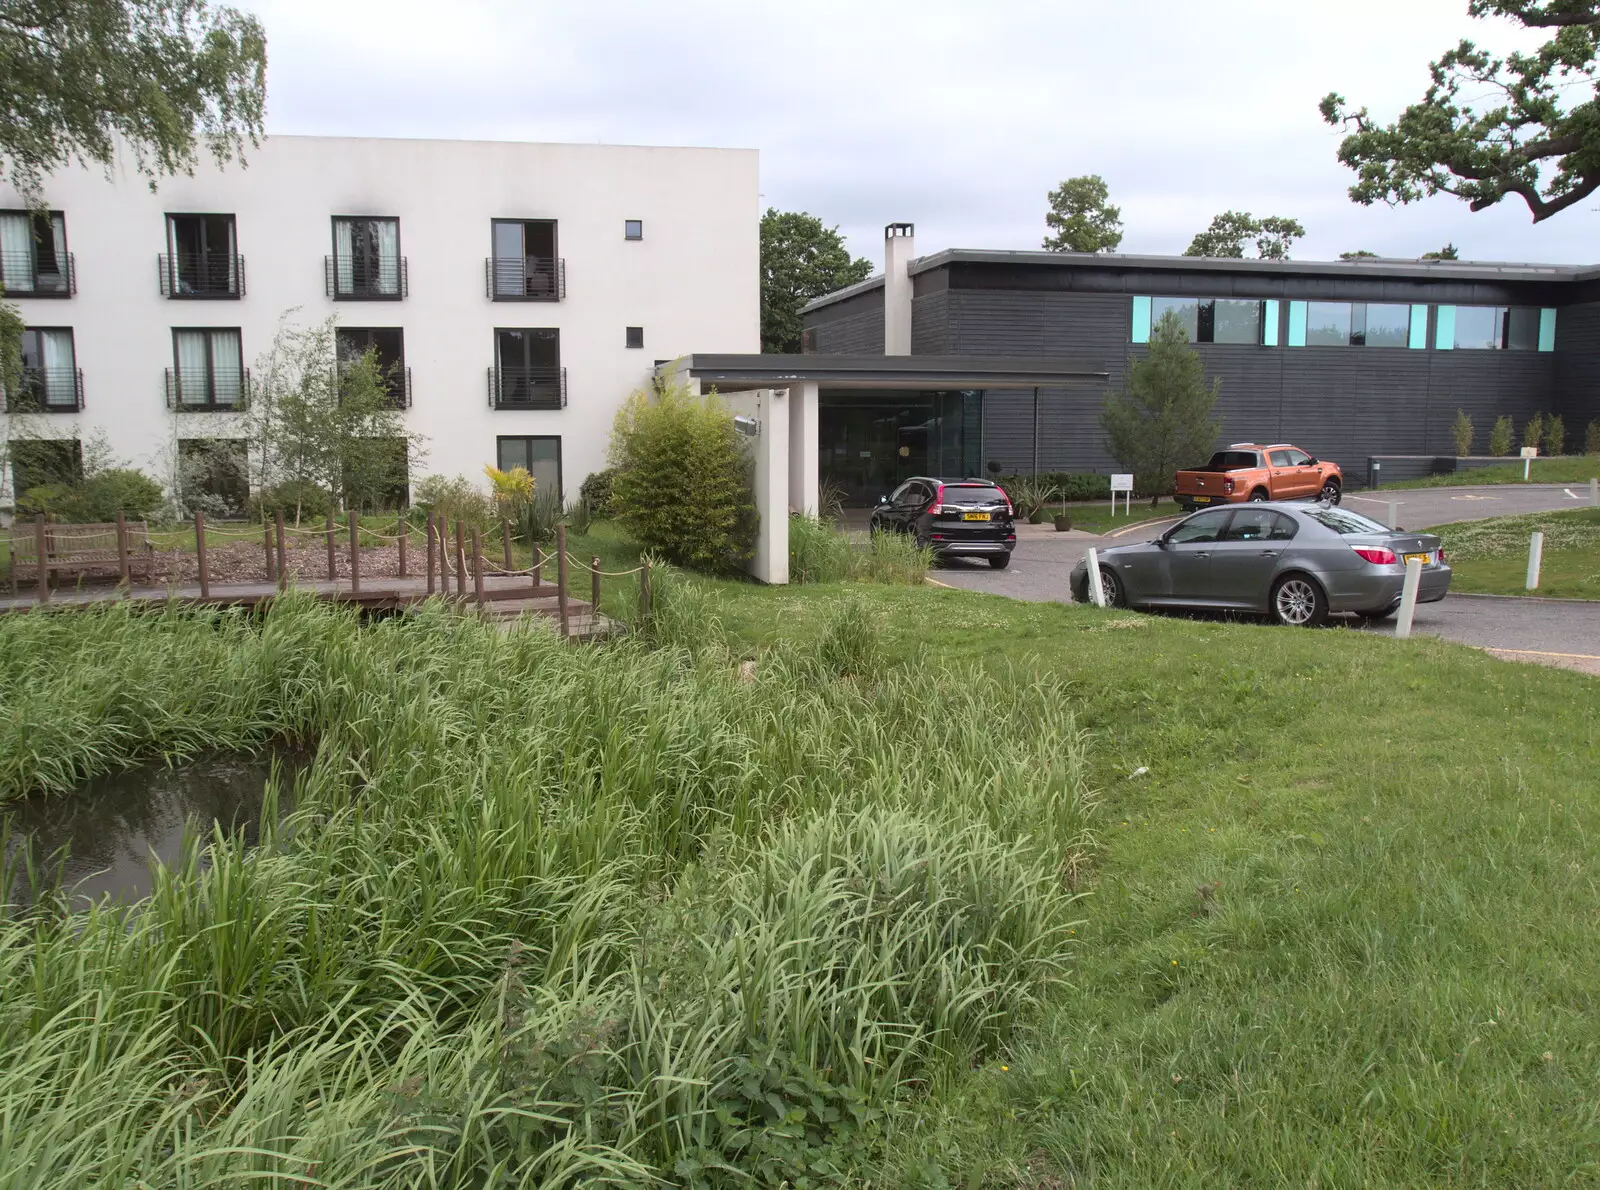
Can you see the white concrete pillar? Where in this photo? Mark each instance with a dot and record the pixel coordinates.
(899, 246)
(804, 435)
(769, 446)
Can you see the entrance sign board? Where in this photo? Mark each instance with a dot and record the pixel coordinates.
(1123, 484)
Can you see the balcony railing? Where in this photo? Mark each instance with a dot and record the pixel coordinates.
(204, 391)
(527, 388)
(21, 275)
(363, 279)
(396, 380)
(47, 390)
(525, 278)
(201, 275)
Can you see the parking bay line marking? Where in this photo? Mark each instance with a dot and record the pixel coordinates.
(1543, 653)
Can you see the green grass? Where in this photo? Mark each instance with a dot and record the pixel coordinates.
(1490, 557)
(1342, 932)
(1097, 518)
(1564, 469)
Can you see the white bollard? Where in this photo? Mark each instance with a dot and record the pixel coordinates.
(1394, 514)
(1097, 594)
(1408, 598)
(1526, 463)
(1535, 556)
(1594, 492)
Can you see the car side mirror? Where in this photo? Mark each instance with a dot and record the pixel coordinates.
(1313, 461)
(883, 499)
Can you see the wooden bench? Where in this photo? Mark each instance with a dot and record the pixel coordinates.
(123, 546)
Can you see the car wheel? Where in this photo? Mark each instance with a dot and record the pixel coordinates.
(1111, 587)
(1331, 493)
(999, 561)
(1259, 496)
(1298, 602)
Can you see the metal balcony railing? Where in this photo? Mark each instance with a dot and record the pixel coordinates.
(396, 380)
(47, 390)
(527, 388)
(364, 279)
(525, 278)
(22, 276)
(201, 275)
(207, 391)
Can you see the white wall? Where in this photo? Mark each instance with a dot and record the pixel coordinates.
(769, 450)
(692, 283)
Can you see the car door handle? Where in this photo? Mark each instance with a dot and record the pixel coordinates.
(1202, 553)
(1270, 553)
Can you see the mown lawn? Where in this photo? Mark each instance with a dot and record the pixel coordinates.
(1098, 518)
(1341, 933)
(1563, 469)
(1490, 557)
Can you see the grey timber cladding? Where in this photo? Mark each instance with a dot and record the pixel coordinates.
(851, 327)
(1578, 366)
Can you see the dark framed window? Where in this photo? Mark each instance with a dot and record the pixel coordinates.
(214, 474)
(1480, 328)
(34, 261)
(366, 261)
(208, 368)
(388, 346)
(527, 369)
(525, 265)
(538, 454)
(636, 336)
(1213, 320)
(1357, 324)
(1200, 528)
(633, 229)
(50, 381)
(37, 462)
(1522, 328)
(202, 259)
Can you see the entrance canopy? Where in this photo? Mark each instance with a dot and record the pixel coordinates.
(731, 373)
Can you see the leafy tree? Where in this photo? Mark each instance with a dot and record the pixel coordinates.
(1162, 419)
(800, 260)
(1555, 435)
(1591, 438)
(1226, 236)
(1082, 218)
(1527, 124)
(1500, 437)
(683, 478)
(321, 423)
(1461, 433)
(1448, 252)
(1363, 254)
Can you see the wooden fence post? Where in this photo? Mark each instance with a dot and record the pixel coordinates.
(461, 559)
(283, 559)
(644, 593)
(122, 551)
(477, 566)
(403, 532)
(266, 533)
(538, 566)
(561, 575)
(333, 571)
(200, 552)
(355, 554)
(430, 553)
(43, 546)
(505, 540)
(594, 587)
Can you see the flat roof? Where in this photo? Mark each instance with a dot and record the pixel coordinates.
(1424, 270)
(733, 372)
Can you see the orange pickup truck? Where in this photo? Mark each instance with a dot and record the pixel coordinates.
(1250, 471)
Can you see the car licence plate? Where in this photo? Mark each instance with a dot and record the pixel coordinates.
(1423, 558)
(1201, 499)
(974, 516)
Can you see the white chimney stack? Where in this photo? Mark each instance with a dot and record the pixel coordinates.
(899, 244)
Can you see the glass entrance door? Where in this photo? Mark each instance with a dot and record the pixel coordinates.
(870, 442)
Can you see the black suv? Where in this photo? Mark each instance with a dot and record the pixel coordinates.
(951, 516)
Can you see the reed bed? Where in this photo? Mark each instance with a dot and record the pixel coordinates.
(631, 915)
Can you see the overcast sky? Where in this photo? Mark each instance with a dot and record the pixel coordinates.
(957, 116)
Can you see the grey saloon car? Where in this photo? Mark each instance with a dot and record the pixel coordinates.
(1295, 562)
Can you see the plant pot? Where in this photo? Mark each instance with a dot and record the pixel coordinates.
(1036, 518)
(1063, 524)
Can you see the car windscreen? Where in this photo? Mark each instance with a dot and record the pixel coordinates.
(1343, 521)
(1232, 460)
(971, 493)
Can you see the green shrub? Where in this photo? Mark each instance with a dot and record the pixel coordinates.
(455, 497)
(537, 518)
(296, 499)
(820, 553)
(1500, 437)
(1071, 485)
(99, 497)
(1555, 435)
(1461, 433)
(1591, 438)
(1533, 431)
(595, 491)
(683, 479)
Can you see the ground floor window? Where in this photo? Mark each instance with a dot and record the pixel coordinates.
(214, 475)
(870, 442)
(539, 455)
(37, 463)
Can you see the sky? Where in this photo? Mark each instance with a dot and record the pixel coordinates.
(957, 117)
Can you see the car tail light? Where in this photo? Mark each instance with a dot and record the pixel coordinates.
(937, 506)
(1009, 510)
(1376, 554)
(1441, 555)
(1227, 486)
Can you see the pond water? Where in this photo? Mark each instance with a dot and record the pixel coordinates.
(113, 824)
